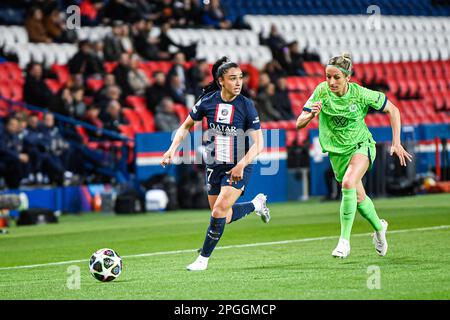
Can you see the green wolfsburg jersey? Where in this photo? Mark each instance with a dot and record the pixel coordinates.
(341, 120)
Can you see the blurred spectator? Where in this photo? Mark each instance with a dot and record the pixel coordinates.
(86, 61)
(113, 93)
(92, 116)
(54, 25)
(123, 10)
(265, 104)
(34, 25)
(264, 81)
(112, 43)
(283, 103)
(102, 94)
(125, 40)
(99, 54)
(165, 42)
(179, 69)
(157, 91)
(246, 90)
(192, 12)
(145, 45)
(35, 90)
(22, 117)
(294, 60)
(214, 15)
(176, 90)
(166, 119)
(121, 74)
(113, 117)
(12, 155)
(90, 11)
(274, 70)
(57, 150)
(169, 11)
(275, 42)
(75, 81)
(197, 75)
(71, 103)
(137, 78)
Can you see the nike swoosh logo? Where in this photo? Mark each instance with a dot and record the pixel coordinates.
(222, 119)
(346, 214)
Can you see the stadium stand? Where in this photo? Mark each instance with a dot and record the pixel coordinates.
(406, 55)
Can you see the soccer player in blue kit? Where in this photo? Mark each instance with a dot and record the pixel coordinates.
(232, 119)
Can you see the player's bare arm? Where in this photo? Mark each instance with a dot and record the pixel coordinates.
(396, 148)
(182, 132)
(305, 117)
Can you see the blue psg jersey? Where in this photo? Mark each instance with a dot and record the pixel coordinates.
(228, 126)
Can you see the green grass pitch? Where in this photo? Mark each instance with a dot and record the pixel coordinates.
(289, 258)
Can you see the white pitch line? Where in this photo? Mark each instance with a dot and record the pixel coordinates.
(258, 244)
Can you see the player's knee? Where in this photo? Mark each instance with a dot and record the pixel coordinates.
(348, 183)
(220, 210)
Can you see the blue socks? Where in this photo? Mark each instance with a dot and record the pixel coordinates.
(217, 225)
(213, 234)
(241, 210)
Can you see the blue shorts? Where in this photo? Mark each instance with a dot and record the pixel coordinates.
(216, 178)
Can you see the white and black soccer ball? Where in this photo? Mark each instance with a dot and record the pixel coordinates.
(105, 265)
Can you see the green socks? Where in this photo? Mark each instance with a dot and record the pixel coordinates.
(367, 210)
(348, 210)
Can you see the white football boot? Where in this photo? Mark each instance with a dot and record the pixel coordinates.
(342, 250)
(379, 239)
(261, 209)
(200, 264)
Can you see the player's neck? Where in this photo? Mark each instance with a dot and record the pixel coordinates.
(227, 97)
(344, 91)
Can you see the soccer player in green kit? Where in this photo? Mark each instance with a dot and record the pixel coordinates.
(343, 133)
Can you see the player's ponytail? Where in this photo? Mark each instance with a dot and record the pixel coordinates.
(219, 68)
(343, 63)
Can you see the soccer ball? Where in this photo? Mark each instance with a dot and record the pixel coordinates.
(105, 265)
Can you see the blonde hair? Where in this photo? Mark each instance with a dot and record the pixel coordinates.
(343, 63)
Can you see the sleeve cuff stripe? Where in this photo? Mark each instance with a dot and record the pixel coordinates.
(384, 104)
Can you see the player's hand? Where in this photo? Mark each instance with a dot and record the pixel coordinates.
(401, 154)
(167, 158)
(236, 174)
(316, 107)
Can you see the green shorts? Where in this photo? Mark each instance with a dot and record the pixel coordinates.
(339, 162)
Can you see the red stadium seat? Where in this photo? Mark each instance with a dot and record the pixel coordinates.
(134, 120)
(181, 111)
(292, 83)
(413, 87)
(82, 132)
(94, 84)
(16, 91)
(62, 72)
(313, 68)
(14, 71)
(291, 135)
(127, 131)
(110, 66)
(136, 102)
(148, 121)
(53, 84)
(5, 91)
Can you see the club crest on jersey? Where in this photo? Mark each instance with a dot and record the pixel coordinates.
(353, 108)
(224, 113)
